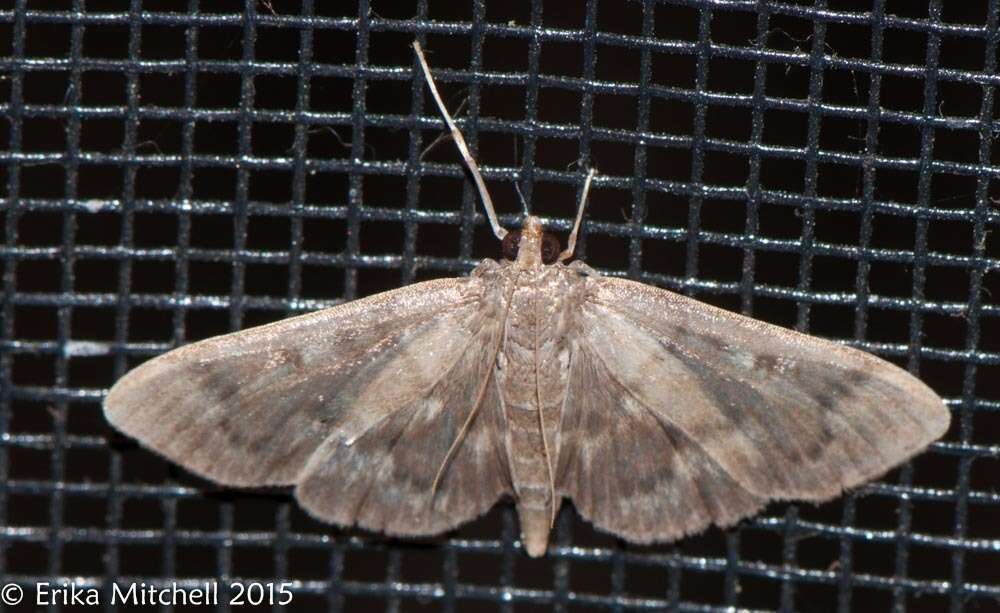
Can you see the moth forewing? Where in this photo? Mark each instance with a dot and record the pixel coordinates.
(250, 408)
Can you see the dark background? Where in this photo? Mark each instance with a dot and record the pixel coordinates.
(168, 175)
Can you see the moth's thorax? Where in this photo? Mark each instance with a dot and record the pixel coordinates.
(541, 302)
(539, 332)
(529, 252)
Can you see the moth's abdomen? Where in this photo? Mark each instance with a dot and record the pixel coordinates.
(526, 447)
(531, 478)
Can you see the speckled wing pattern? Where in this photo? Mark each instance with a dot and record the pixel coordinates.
(354, 405)
(680, 415)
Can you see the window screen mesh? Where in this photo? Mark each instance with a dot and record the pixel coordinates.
(174, 170)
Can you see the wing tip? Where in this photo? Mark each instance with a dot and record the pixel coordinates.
(941, 422)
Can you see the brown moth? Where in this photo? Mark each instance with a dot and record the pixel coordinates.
(415, 410)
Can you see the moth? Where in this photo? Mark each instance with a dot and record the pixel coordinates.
(415, 410)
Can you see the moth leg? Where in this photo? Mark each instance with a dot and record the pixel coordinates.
(480, 395)
(463, 148)
(571, 245)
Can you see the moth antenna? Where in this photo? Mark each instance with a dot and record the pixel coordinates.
(463, 148)
(524, 203)
(567, 253)
(517, 185)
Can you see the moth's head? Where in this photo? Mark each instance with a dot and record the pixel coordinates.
(531, 246)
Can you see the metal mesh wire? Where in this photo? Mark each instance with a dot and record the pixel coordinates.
(175, 170)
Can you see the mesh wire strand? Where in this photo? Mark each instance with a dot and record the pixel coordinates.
(170, 174)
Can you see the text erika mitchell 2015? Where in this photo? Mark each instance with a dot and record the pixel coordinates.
(173, 594)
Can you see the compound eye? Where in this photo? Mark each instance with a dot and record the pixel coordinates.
(550, 249)
(510, 244)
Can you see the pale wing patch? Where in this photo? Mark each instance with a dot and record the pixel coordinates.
(631, 472)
